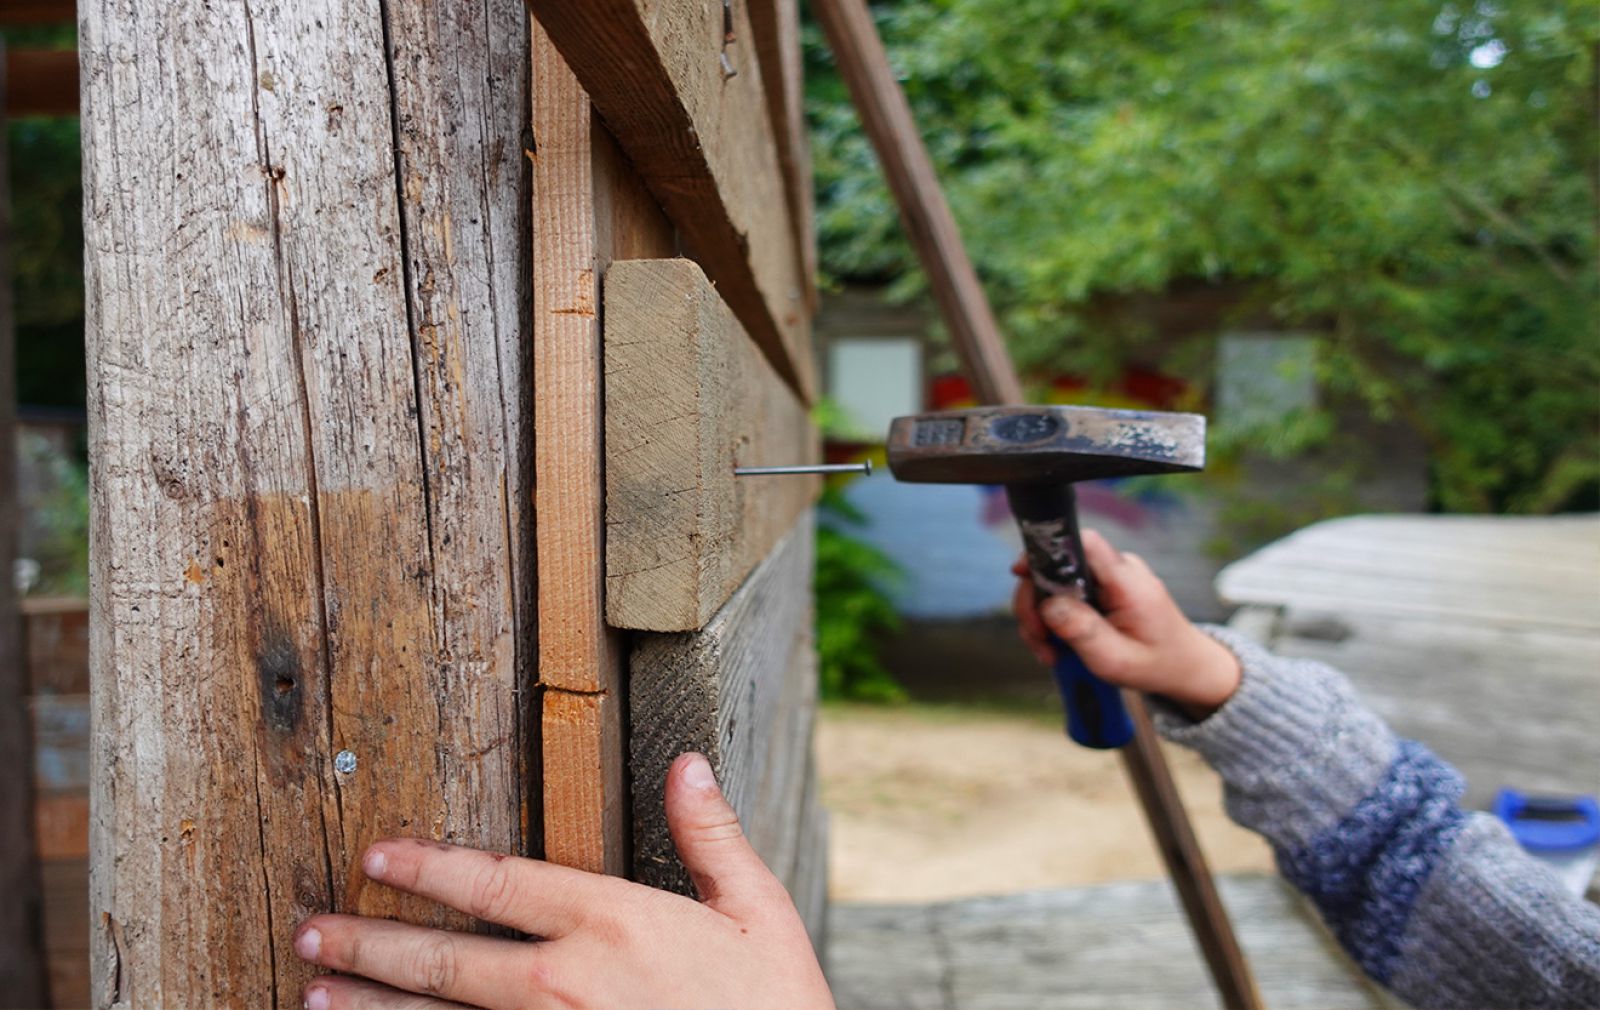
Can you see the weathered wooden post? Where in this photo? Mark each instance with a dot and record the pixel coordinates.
(307, 238)
(21, 963)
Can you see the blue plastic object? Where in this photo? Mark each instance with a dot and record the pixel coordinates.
(1096, 716)
(1549, 823)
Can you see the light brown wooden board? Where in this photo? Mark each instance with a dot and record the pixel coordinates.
(21, 966)
(306, 230)
(775, 25)
(702, 142)
(41, 82)
(688, 399)
(743, 692)
(589, 208)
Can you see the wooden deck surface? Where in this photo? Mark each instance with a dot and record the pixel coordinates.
(1111, 947)
(1478, 635)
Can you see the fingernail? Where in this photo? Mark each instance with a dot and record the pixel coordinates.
(316, 998)
(697, 774)
(308, 945)
(1057, 608)
(374, 864)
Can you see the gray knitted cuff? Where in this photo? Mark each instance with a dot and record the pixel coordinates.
(1294, 746)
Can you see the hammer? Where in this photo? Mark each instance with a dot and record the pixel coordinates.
(1038, 454)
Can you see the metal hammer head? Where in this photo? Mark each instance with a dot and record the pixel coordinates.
(1042, 445)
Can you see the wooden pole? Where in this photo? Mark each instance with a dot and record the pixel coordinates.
(886, 115)
(21, 960)
(862, 62)
(306, 238)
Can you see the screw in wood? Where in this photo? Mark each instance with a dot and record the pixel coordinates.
(344, 762)
(769, 471)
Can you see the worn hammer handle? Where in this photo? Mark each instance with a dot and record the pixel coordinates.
(1047, 514)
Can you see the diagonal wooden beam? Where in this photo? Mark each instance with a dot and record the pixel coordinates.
(884, 112)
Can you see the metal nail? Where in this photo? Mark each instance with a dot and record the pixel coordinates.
(764, 471)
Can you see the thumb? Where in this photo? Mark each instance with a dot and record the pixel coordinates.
(1107, 652)
(727, 873)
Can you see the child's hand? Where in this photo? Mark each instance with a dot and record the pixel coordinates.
(607, 943)
(1142, 642)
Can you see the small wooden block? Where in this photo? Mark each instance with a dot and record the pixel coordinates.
(583, 782)
(689, 397)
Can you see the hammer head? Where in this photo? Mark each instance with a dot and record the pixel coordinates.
(1042, 445)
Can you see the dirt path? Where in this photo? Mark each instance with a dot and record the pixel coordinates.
(932, 802)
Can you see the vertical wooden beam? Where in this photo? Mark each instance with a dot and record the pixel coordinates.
(588, 210)
(21, 958)
(305, 230)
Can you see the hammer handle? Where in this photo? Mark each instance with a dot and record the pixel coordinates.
(1047, 514)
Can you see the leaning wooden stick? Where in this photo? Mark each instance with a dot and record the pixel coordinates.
(885, 114)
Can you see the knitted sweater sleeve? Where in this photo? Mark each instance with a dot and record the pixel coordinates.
(1437, 904)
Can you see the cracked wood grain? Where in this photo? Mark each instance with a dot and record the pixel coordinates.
(589, 210)
(689, 397)
(701, 140)
(306, 261)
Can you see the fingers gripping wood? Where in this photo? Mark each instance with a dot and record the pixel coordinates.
(540, 898)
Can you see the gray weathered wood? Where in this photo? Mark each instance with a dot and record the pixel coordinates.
(1499, 570)
(741, 691)
(1506, 706)
(688, 399)
(701, 140)
(1107, 947)
(21, 964)
(306, 269)
(1478, 635)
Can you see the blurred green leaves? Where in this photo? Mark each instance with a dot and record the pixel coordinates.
(1416, 184)
(853, 606)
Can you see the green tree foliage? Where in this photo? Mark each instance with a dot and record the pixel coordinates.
(853, 607)
(1417, 183)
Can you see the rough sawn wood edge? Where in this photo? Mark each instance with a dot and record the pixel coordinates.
(743, 692)
(701, 140)
(689, 399)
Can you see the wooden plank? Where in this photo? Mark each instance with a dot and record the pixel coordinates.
(585, 791)
(1508, 571)
(588, 209)
(741, 691)
(1122, 946)
(701, 141)
(1433, 680)
(688, 399)
(61, 825)
(884, 112)
(21, 965)
(42, 82)
(37, 12)
(306, 376)
(1180, 851)
(776, 27)
(55, 644)
(66, 932)
(60, 736)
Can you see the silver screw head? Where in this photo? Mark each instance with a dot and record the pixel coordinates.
(344, 762)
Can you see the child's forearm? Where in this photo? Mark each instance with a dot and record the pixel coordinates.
(1438, 904)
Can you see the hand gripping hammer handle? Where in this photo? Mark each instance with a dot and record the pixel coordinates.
(1047, 514)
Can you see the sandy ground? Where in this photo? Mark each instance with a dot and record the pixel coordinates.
(934, 802)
